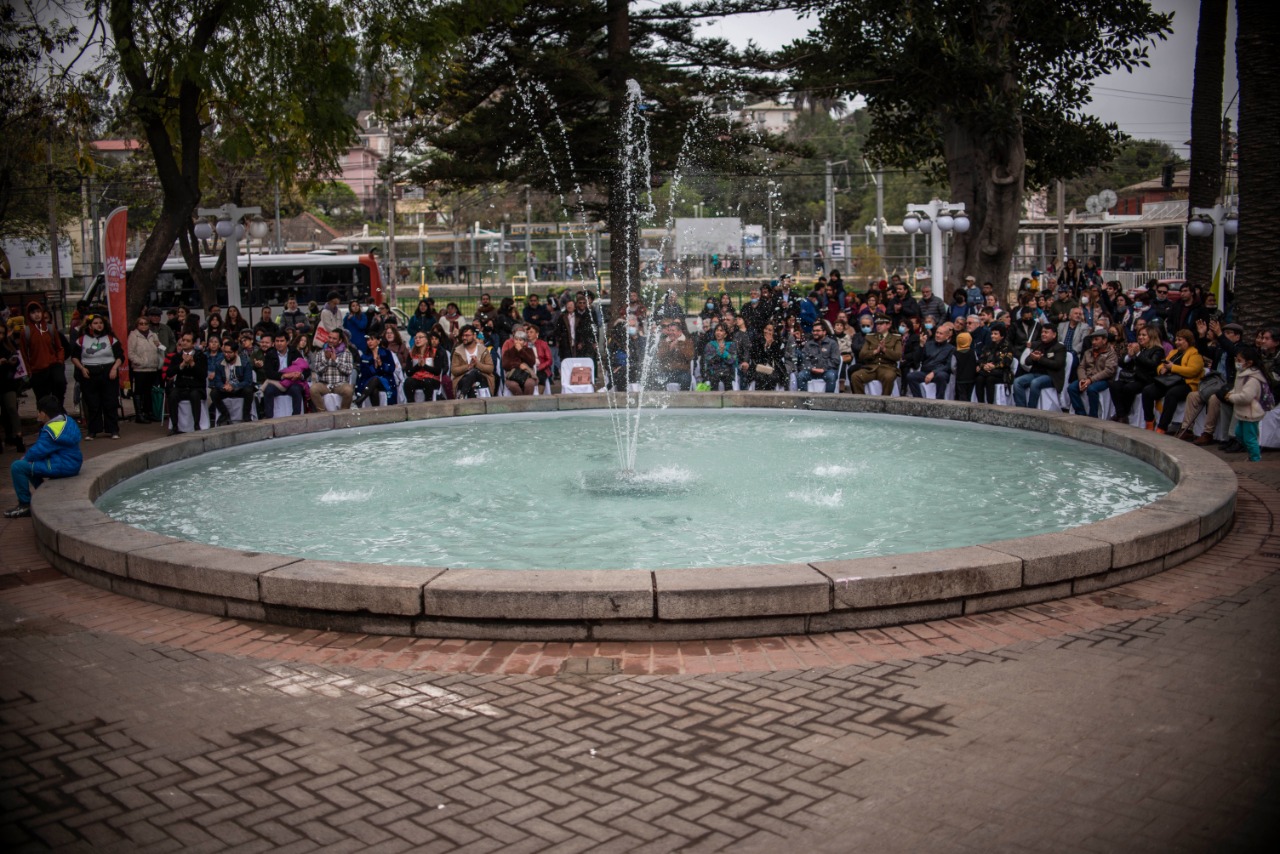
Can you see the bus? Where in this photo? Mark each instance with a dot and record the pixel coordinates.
(265, 280)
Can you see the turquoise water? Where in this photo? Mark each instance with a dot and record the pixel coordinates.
(726, 488)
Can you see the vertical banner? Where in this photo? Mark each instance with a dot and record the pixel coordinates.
(114, 243)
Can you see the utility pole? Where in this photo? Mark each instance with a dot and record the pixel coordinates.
(880, 213)
(393, 266)
(829, 225)
(1062, 227)
(53, 218)
(528, 235)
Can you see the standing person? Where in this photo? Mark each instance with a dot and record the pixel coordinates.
(55, 454)
(966, 367)
(97, 357)
(422, 319)
(9, 388)
(1246, 399)
(330, 314)
(43, 353)
(146, 356)
(235, 322)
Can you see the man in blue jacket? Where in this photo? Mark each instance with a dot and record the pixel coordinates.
(55, 454)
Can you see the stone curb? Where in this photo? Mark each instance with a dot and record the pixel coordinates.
(662, 604)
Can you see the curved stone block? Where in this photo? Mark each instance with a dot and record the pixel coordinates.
(538, 594)
(740, 591)
(338, 586)
(877, 582)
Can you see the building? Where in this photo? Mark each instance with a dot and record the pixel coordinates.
(768, 116)
(361, 162)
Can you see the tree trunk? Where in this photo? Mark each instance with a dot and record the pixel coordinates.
(988, 179)
(177, 162)
(1206, 129)
(1257, 287)
(623, 216)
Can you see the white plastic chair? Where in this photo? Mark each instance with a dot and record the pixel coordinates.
(1050, 400)
(185, 422)
(566, 371)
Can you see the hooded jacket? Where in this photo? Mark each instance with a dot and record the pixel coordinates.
(57, 452)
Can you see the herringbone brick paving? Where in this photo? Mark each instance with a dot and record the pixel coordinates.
(1138, 718)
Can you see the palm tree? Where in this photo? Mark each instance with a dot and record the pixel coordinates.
(1258, 254)
(1206, 128)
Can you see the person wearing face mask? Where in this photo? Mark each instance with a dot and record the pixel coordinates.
(1245, 398)
(878, 359)
(752, 312)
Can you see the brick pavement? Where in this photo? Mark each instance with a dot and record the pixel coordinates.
(1141, 717)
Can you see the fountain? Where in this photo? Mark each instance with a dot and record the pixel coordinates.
(696, 515)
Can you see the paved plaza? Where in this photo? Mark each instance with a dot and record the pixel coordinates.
(1143, 717)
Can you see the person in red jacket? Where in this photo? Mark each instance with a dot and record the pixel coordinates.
(44, 353)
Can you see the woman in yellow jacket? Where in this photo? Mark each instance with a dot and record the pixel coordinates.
(1176, 377)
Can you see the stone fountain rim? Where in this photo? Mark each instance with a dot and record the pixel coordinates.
(669, 604)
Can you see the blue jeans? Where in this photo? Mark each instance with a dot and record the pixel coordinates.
(1027, 388)
(682, 378)
(1077, 402)
(915, 384)
(24, 476)
(828, 377)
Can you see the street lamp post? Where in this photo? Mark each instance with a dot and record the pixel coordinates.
(947, 216)
(1216, 222)
(230, 227)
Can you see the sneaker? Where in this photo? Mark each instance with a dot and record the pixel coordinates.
(19, 512)
(89, 437)
(115, 435)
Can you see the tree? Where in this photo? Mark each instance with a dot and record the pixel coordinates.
(1257, 287)
(268, 78)
(1135, 160)
(1206, 129)
(540, 95)
(989, 94)
(43, 114)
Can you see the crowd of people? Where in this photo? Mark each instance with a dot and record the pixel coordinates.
(1153, 348)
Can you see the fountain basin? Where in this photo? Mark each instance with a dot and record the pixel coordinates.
(797, 597)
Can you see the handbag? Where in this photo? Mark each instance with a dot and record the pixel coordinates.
(1212, 385)
(1168, 380)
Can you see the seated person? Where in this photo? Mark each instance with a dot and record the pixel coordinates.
(878, 359)
(471, 364)
(55, 454)
(1046, 366)
(331, 369)
(186, 374)
(675, 352)
(935, 364)
(424, 366)
(519, 363)
(378, 369)
(819, 359)
(718, 358)
(232, 378)
(286, 373)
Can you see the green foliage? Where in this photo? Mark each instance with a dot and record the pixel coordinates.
(336, 203)
(527, 99)
(1002, 70)
(1136, 160)
(42, 111)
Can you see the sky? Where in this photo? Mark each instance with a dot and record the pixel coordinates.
(1151, 103)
